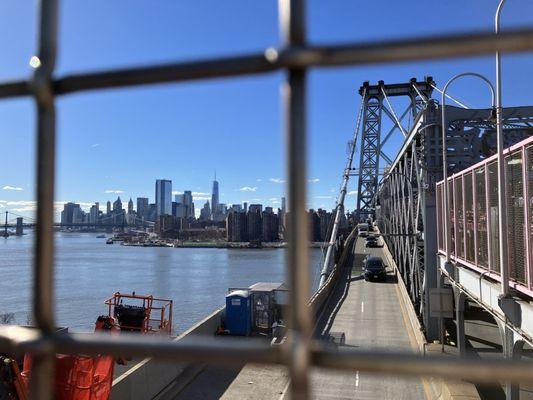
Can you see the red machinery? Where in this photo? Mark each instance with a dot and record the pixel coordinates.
(84, 377)
(144, 314)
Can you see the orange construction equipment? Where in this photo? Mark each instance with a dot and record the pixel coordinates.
(84, 377)
(80, 377)
(144, 314)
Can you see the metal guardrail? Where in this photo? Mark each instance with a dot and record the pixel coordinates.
(295, 57)
(474, 216)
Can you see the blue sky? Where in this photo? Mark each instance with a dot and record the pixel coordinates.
(124, 139)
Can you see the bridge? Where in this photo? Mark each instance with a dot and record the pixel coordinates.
(442, 296)
(14, 220)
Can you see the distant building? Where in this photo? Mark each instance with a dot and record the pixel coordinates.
(70, 213)
(168, 226)
(142, 207)
(163, 197)
(221, 212)
(325, 221)
(152, 212)
(93, 214)
(255, 222)
(78, 215)
(235, 207)
(236, 226)
(117, 205)
(270, 225)
(314, 226)
(179, 210)
(188, 203)
(108, 209)
(205, 212)
(214, 199)
(178, 198)
(245, 207)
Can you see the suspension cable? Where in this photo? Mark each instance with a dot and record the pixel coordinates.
(339, 207)
(393, 113)
(450, 97)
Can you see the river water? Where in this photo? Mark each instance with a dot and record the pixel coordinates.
(88, 271)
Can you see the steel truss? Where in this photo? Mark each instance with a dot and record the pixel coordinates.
(371, 143)
(406, 198)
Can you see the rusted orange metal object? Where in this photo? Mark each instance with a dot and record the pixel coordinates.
(141, 313)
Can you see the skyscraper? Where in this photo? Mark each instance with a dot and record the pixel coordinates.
(214, 199)
(108, 209)
(142, 207)
(187, 201)
(130, 206)
(117, 205)
(163, 197)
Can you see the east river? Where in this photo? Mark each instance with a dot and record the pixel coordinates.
(88, 271)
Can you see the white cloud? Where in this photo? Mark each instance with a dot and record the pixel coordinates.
(259, 180)
(193, 193)
(324, 197)
(114, 191)
(277, 180)
(273, 199)
(314, 180)
(247, 189)
(352, 192)
(7, 187)
(255, 200)
(332, 190)
(201, 197)
(95, 145)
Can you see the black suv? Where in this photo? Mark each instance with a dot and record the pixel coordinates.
(371, 241)
(374, 269)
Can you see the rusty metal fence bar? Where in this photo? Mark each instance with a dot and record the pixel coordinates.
(519, 172)
(296, 56)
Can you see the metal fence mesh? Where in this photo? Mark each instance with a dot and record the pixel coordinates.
(459, 221)
(295, 57)
(452, 222)
(440, 220)
(529, 203)
(469, 218)
(492, 170)
(516, 217)
(481, 219)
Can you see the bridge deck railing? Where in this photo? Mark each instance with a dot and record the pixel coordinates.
(473, 202)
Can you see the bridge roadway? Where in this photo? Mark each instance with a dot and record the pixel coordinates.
(371, 316)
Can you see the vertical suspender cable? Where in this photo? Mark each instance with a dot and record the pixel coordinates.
(340, 201)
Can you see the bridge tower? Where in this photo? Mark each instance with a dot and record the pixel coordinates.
(374, 99)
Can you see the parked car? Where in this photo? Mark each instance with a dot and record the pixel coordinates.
(371, 241)
(374, 268)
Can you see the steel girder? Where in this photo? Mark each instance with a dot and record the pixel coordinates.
(369, 158)
(406, 197)
(371, 145)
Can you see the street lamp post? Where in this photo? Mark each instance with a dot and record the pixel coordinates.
(445, 151)
(502, 200)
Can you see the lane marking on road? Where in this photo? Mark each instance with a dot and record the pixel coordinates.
(356, 378)
(362, 306)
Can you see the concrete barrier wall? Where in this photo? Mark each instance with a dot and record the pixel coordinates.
(149, 377)
(320, 298)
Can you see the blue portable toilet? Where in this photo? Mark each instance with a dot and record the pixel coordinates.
(238, 318)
